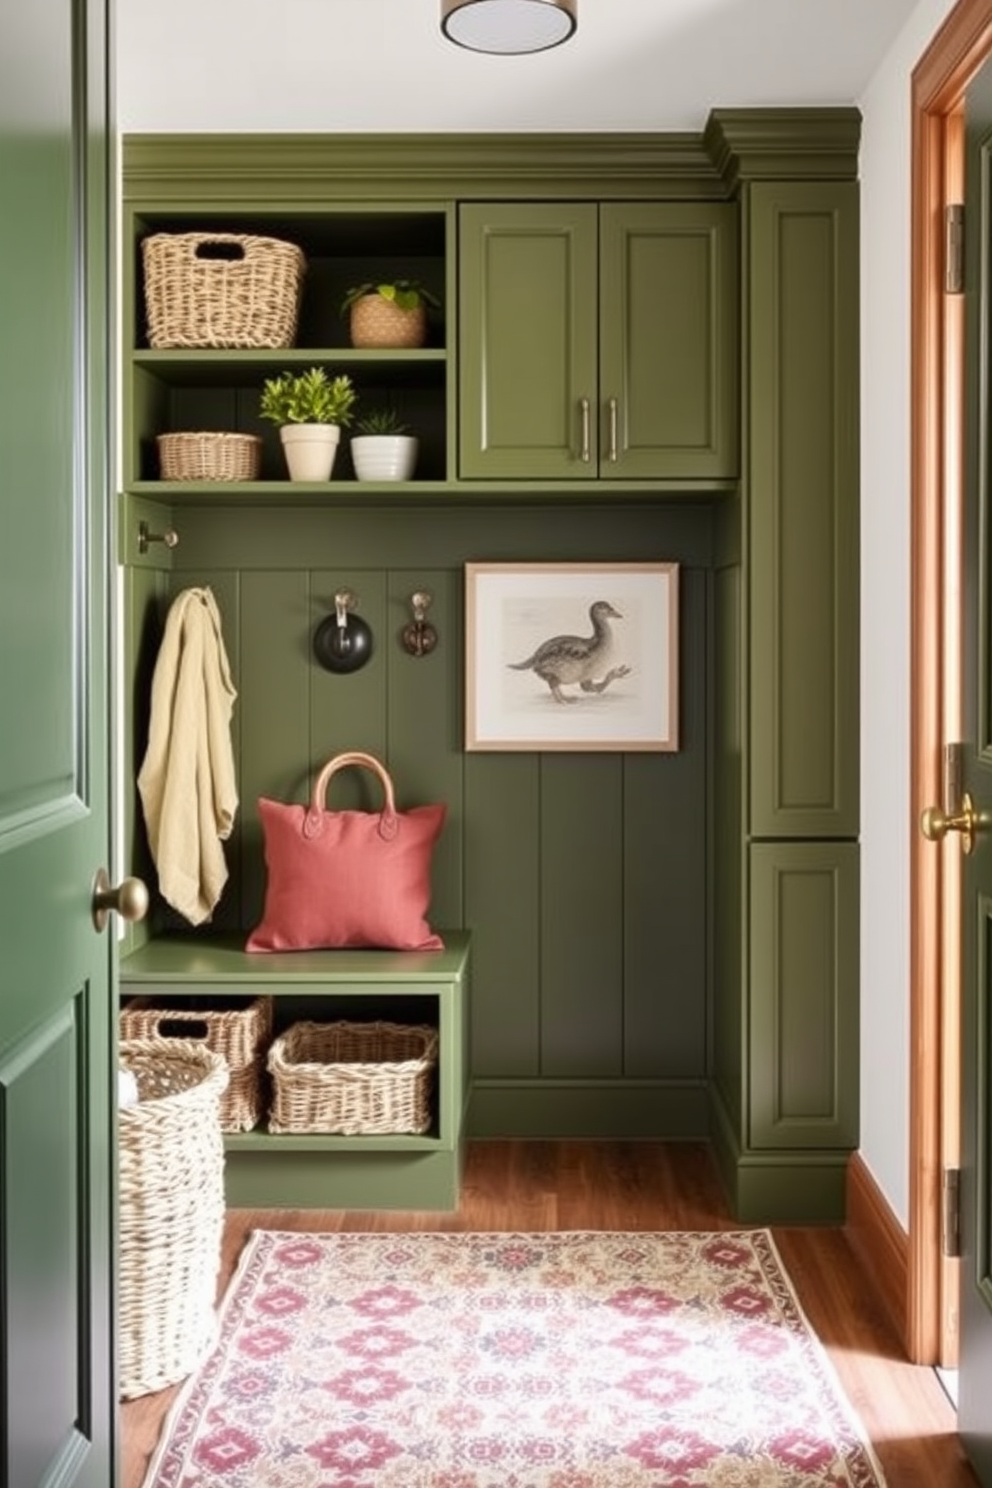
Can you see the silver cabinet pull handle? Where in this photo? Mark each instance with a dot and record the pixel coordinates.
(585, 454)
(614, 421)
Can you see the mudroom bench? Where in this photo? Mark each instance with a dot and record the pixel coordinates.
(324, 1170)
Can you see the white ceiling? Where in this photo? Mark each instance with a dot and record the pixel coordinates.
(382, 65)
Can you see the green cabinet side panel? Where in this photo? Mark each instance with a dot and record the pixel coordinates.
(668, 340)
(664, 866)
(803, 1030)
(729, 944)
(527, 340)
(803, 490)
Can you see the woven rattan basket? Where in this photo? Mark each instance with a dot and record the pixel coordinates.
(221, 289)
(171, 1156)
(209, 457)
(375, 321)
(365, 1079)
(239, 1032)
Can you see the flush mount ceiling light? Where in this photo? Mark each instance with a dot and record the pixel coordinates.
(508, 27)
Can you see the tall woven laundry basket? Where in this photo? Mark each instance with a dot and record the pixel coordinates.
(171, 1161)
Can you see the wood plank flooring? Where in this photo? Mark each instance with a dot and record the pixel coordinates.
(653, 1186)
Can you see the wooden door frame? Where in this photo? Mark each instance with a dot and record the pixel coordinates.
(960, 46)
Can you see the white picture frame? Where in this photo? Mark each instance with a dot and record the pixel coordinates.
(572, 656)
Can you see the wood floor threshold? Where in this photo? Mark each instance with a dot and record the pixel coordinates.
(548, 1186)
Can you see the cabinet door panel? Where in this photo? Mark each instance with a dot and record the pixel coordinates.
(527, 340)
(668, 318)
(803, 489)
(804, 994)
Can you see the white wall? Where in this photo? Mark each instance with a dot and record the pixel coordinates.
(885, 531)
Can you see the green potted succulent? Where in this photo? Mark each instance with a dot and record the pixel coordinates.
(310, 408)
(382, 447)
(390, 314)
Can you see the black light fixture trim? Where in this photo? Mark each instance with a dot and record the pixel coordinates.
(508, 27)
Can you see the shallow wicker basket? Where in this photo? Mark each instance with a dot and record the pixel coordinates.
(221, 289)
(363, 1079)
(376, 321)
(209, 457)
(171, 1158)
(239, 1032)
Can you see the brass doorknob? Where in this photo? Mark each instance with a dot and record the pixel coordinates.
(935, 823)
(129, 899)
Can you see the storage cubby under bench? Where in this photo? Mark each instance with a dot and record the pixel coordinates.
(310, 1171)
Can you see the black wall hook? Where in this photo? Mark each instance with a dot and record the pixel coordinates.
(343, 641)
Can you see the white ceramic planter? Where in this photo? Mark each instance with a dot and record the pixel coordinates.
(384, 457)
(310, 450)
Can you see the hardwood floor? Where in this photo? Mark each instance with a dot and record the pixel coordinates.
(653, 1186)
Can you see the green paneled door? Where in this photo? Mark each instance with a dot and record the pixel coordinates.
(668, 401)
(527, 341)
(57, 1415)
(598, 341)
(804, 995)
(803, 482)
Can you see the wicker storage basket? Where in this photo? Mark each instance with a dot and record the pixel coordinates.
(365, 1079)
(171, 1157)
(209, 457)
(221, 289)
(239, 1032)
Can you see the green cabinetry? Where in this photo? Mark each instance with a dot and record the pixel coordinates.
(182, 389)
(802, 372)
(803, 969)
(313, 1170)
(649, 350)
(598, 340)
(785, 1088)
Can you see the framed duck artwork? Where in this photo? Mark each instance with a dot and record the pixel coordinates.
(571, 656)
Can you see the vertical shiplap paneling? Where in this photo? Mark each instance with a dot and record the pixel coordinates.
(275, 708)
(424, 725)
(348, 709)
(664, 875)
(502, 844)
(582, 892)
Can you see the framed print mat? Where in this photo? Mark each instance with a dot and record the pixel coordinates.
(576, 656)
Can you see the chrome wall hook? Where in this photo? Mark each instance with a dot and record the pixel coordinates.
(343, 641)
(170, 537)
(419, 636)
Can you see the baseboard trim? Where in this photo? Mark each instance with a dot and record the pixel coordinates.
(879, 1240)
(615, 1109)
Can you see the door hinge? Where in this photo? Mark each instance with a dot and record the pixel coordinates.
(950, 1240)
(954, 248)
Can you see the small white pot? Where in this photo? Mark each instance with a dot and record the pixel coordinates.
(310, 450)
(384, 457)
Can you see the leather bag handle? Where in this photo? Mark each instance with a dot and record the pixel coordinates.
(313, 823)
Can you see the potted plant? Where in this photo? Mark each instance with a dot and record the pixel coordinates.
(310, 408)
(382, 449)
(392, 314)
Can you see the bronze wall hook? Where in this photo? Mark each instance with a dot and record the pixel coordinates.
(419, 636)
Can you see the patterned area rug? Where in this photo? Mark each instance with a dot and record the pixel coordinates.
(574, 1360)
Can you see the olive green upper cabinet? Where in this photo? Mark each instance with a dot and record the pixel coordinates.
(803, 484)
(598, 341)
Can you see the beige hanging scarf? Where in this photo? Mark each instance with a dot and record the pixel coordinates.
(187, 781)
